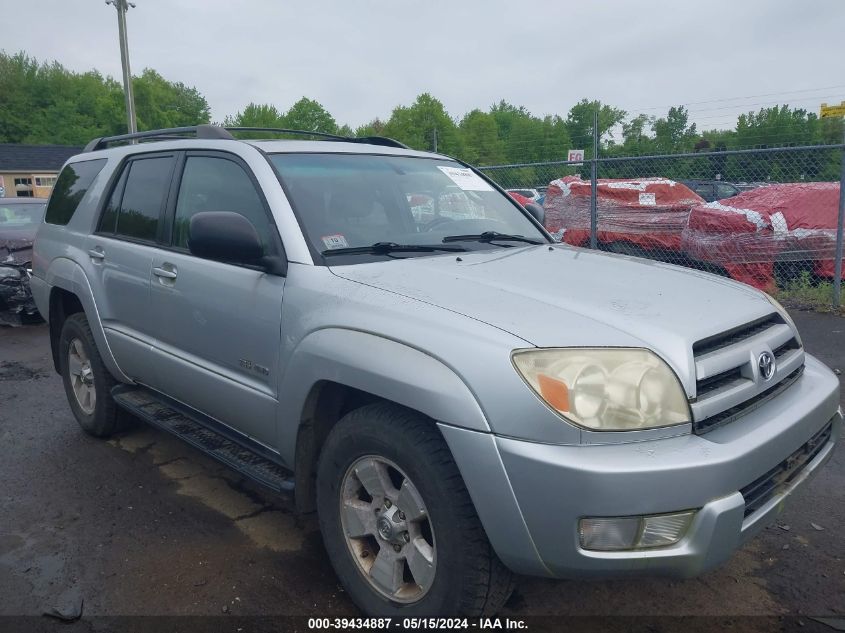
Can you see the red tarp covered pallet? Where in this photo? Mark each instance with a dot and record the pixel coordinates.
(748, 233)
(648, 212)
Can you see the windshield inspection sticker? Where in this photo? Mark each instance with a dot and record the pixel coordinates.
(334, 241)
(466, 179)
(648, 199)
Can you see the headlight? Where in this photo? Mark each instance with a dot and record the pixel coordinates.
(605, 389)
(7, 272)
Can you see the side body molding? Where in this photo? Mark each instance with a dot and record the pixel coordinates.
(377, 365)
(67, 274)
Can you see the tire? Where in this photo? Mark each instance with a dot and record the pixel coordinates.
(466, 577)
(98, 416)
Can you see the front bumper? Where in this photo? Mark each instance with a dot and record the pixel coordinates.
(530, 507)
(17, 306)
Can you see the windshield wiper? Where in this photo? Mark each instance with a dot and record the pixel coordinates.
(385, 248)
(490, 236)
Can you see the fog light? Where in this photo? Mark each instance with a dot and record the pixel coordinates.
(609, 534)
(628, 533)
(665, 529)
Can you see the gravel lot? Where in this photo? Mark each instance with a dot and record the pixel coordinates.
(143, 524)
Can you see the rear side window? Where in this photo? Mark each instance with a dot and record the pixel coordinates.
(70, 188)
(136, 204)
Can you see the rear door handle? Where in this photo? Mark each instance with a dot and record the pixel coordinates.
(97, 254)
(164, 273)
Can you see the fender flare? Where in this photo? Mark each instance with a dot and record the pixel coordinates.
(380, 366)
(66, 274)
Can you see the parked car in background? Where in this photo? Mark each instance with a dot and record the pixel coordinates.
(712, 190)
(520, 198)
(644, 216)
(747, 186)
(19, 220)
(768, 234)
(531, 194)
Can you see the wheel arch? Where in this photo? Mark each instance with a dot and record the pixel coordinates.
(338, 370)
(71, 292)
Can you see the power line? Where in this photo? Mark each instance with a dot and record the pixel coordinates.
(771, 94)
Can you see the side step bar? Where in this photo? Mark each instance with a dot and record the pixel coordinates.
(213, 439)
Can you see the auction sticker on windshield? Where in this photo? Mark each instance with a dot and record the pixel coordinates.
(334, 241)
(466, 179)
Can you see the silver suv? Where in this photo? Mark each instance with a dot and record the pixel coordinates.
(389, 336)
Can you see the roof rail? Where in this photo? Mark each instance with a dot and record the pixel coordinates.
(218, 132)
(201, 131)
(281, 130)
(370, 140)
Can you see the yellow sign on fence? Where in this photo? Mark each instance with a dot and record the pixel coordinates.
(831, 111)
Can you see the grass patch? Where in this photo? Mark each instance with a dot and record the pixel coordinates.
(806, 293)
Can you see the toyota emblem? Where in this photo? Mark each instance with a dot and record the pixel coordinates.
(766, 364)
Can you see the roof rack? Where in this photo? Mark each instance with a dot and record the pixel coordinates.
(201, 131)
(369, 140)
(218, 132)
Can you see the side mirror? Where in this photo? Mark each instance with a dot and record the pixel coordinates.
(229, 237)
(537, 211)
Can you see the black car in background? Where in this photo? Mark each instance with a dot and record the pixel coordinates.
(712, 190)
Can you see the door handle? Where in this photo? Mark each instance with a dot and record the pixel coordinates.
(96, 254)
(164, 273)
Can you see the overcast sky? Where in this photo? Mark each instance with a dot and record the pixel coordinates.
(361, 58)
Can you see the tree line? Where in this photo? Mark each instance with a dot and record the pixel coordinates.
(47, 103)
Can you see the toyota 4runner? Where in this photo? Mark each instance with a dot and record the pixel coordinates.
(387, 335)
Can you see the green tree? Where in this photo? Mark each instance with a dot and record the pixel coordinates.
(256, 115)
(480, 133)
(776, 127)
(162, 104)
(373, 128)
(310, 116)
(505, 115)
(555, 140)
(636, 137)
(674, 133)
(579, 123)
(423, 125)
(46, 103)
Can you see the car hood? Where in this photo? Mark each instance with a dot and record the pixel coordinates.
(16, 246)
(561, 296)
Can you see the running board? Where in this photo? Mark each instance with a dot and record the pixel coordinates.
(221, 443)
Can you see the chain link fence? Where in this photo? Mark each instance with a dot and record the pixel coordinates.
(771, 218)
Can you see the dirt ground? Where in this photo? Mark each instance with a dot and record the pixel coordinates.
(145, 525)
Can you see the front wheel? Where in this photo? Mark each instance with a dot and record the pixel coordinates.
(397, 520)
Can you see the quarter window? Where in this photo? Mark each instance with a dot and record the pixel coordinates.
(143, 198)
(71, 186)
(218, 184)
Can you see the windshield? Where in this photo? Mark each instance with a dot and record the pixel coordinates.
(19, 215)
(355, 200)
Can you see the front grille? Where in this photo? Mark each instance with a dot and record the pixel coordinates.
(762, 489)
(790, 345)
(715, 383)
(735, 335)
(728, 383)
(729, 415)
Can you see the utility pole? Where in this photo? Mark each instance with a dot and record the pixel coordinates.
(594, 193)
(122, 7)
(840, 235)
(435, 140)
